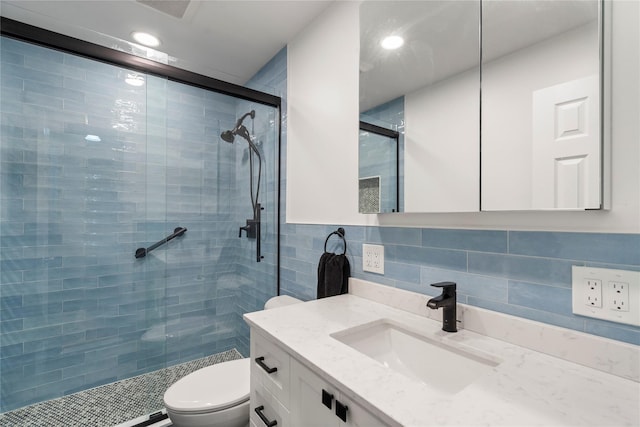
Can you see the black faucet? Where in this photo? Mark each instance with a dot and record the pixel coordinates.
(447, 300)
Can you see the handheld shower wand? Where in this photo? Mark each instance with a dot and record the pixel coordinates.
(241, 130)
(253, 225)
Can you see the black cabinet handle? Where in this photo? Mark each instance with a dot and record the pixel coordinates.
(264, 419)
(327, 398)
(341, 411)
(268, 370)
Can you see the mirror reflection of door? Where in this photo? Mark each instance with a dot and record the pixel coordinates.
(566, 145)
(541, 105)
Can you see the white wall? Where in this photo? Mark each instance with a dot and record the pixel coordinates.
(321, 70)
(442, 146)
(322, 119)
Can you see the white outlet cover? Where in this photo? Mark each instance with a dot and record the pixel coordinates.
(373, 258)
(611, 281)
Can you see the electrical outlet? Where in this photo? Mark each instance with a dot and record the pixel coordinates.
(593, 294)
(607, 294)
(373, 258)
(619, 300)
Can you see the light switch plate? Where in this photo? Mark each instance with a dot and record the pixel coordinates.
(607, 294)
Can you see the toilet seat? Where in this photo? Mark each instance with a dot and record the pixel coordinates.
(211, 389)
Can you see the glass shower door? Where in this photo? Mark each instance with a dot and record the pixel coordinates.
(73, 180)
(199, 181)
(212, 186)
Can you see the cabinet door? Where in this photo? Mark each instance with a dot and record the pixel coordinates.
(308, 405)
(307, 408)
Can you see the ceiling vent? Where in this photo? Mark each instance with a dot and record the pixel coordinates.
(175, 8)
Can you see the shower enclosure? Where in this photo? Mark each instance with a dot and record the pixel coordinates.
(97, 161)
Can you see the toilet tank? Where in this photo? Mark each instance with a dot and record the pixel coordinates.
(280, 301)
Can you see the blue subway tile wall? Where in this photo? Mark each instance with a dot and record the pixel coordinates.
(77, 310)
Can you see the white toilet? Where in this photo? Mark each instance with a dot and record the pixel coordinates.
(218, 395)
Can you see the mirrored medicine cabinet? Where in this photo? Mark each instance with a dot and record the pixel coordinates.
(498, 103)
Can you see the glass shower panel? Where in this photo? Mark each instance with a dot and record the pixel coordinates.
(213, 275)
(194, 176)
(73, 188)
(257, 280)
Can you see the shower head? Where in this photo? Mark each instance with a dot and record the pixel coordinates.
(239, 129)
(227, 136)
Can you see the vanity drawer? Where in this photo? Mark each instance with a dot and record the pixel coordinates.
(266, 409)
(270, 367)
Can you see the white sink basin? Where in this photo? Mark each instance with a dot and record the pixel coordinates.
(442, 366)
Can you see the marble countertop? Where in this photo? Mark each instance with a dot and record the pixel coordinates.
(526, 388)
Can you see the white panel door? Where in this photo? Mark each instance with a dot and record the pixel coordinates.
(566, 168)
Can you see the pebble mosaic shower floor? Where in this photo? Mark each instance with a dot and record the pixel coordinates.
(110, 404)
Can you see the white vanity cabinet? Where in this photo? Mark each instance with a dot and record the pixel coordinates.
(286, 393)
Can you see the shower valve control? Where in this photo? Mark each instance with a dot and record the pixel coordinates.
(251, 229)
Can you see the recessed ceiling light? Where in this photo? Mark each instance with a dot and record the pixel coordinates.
(392, 42)
(134, 79)
(145, 39)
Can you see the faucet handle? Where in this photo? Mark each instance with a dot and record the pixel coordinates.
(446, 286)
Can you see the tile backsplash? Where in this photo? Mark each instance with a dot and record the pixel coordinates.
(522, 273)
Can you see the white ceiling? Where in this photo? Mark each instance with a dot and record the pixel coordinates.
(229, 40)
